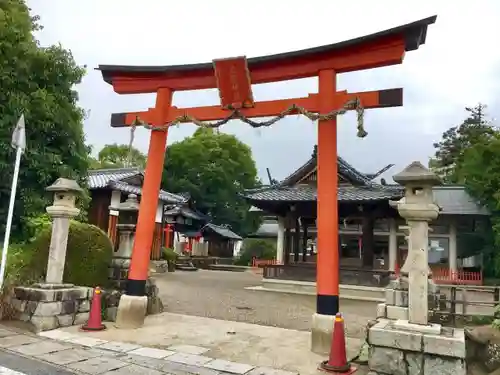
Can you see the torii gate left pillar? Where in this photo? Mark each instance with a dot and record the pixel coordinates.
(233, 78)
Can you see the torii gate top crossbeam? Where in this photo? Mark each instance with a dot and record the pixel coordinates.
(371, 51)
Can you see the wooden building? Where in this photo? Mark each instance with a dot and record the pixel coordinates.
(178, 224)
(221, 240)
(108, 187)
(371, 238)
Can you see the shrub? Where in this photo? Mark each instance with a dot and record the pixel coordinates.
(88, 255)
(256, 247)
(169, 255)
(36, 224)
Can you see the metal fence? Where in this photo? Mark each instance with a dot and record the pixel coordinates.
(463, 304)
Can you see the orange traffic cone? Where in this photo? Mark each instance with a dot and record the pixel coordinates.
(337, 361)
(95, 323)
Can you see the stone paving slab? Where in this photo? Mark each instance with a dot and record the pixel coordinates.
(16, 340)
(118, 346)
(57, 334)
(173, 368)
(86, 341)
(189, 359)
(151, 352)
(227, 366)
(98, 365)
(68, 356)
(39, 348)
(189, 349)
(134, 370)
(269, 371)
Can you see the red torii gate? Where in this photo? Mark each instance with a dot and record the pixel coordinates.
(234, 78)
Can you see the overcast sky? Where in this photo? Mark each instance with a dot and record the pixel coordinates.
(458, 66)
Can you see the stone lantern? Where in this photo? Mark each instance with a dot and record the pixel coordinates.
(128, 214)
(418, 208)
(53, 304)
(62, 210)
(403, 341)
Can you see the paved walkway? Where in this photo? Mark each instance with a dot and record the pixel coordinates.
(222, 295)
(177, 345)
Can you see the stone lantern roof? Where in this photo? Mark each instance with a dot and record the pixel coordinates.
(131, 204)
(416, 172)
(64, 185)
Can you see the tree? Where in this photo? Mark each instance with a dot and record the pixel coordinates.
(38, 82)
(449, 156)
(480, 172)
(214, 168)
(119, 156)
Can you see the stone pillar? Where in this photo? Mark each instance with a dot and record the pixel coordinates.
(280, 251)
(393, 244)
(368, 240)
(61, 212)
(452, 251)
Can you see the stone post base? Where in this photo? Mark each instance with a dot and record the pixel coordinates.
(111, 299)
(321, 333)
(131, 311)
(118, 272)
(396, 350)
(50, 306)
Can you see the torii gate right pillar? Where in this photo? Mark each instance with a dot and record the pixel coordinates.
(327, 274)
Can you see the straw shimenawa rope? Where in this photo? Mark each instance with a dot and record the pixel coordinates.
(236, 114)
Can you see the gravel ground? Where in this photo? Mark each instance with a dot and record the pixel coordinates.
(221, 295)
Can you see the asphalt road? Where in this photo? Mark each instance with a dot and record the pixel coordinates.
(11, 364)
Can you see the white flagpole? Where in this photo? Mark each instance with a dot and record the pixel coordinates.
(19, 141)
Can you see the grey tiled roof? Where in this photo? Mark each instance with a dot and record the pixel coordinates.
(100, 178)
(344, 169)
(307, 193)
(454, 200)
(164, 196)
(186, 212)
(222, 231)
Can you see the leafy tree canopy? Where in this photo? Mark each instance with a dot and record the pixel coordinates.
(450, 151)
(214, 168)
(38, 82)
(119, 156)
(469, 154)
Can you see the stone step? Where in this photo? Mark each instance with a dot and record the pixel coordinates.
(181, 267)
(227, 267)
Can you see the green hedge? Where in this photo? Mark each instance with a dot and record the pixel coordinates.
(261, 248)
(88, 256)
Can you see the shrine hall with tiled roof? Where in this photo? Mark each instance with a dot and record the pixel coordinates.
(354, 186)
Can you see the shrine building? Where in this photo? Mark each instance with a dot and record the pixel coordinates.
(372, 239)
(178, 225)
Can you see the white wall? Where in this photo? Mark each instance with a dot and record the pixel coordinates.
(159, 212)
(116, 197)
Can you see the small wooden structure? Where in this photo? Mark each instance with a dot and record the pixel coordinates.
(221, 240)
